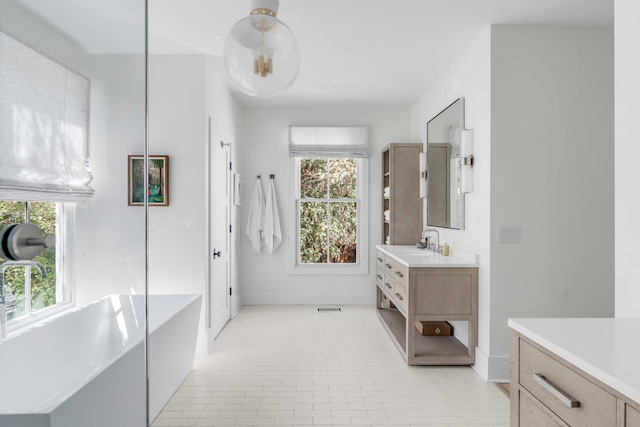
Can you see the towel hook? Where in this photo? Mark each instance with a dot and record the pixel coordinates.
(272, 176)
(259, 176)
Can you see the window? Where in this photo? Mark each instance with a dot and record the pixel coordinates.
(330, 195)
(44, 158)
(35, 296)
(327, 211)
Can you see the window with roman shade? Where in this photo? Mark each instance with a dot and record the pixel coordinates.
(330, 191)
(44, 126)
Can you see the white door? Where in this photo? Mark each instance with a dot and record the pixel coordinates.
(219, 239)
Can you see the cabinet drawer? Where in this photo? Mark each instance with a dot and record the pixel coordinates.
(632, 417)
(385, 302)
(401, 274)
(380, 260)
(400, 295)
(387, 284)
(379, 277)
(533, 414)
(546, 379)
(389, 264)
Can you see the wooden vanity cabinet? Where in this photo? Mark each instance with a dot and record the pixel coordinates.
(401, 174)
(546, 390)
(409, 294)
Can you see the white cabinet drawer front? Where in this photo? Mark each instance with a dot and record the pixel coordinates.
(389, 264)
(554, 384)
(401, 274)
(380, 278)
(400, 296)
(387, 284)
(380, 260)
(632, 417)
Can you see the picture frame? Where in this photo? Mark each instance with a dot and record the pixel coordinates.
(237, 189)
(157, 192)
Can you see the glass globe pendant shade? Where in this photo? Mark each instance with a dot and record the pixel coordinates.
(261, 56)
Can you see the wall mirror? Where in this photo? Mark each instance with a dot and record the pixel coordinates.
(445, 199)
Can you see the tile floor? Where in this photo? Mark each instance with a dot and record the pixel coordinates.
(294, 366)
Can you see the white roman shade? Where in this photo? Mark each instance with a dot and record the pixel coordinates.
(44, 125)
(329, 141)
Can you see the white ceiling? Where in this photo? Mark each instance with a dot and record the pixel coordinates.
(353, 52)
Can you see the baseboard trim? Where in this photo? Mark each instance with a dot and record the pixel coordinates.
(492, 369)
(204, 346)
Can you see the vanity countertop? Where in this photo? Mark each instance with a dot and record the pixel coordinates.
(607, 348)
(411, 256)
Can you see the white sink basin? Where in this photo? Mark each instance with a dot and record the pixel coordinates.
(417, 252)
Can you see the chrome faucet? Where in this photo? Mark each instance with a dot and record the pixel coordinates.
(5, 302)
(432, 230)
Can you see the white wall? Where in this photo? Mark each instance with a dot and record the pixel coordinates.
(32, 31)
(264, 277)
(627, 151)
(540, 104)
(109, 245)
(178, 128)
(551, 174)
(184, 90)
(468, 77)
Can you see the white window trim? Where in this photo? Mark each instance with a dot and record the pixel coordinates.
(362, 195)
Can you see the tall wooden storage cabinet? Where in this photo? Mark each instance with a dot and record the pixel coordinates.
(401, 203)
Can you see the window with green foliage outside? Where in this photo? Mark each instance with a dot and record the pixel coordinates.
(33, 293)
(327, 211)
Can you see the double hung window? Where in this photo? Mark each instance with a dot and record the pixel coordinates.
(330, 193)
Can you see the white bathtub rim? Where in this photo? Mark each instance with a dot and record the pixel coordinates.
(154, 324)
(43, 317)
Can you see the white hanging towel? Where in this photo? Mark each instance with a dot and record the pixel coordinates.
(272, 233)
(255, 221)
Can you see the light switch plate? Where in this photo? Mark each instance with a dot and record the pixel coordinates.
(509, 234)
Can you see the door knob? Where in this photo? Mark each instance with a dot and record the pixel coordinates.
(216, 254)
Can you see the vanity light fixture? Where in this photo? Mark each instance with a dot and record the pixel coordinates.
(423, 175)
(261, 54)
(466, 161)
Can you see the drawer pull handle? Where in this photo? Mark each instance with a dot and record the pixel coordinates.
(379, 276)
(387, 285)
(388, 265)
(399, 296)
(559, 394)
(399, 274)
(379, 259)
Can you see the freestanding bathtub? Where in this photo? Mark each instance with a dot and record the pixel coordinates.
(86, 367)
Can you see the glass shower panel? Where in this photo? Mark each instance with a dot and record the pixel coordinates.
(181, 125)
(75, 348)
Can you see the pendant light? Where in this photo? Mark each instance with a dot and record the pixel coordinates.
(261, 54)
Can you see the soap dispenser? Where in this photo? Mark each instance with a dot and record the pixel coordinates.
(445, 249)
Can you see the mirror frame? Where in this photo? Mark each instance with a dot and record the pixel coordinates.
(460, 205)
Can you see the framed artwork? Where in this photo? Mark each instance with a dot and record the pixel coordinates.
(237, 189)
(157, 191)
